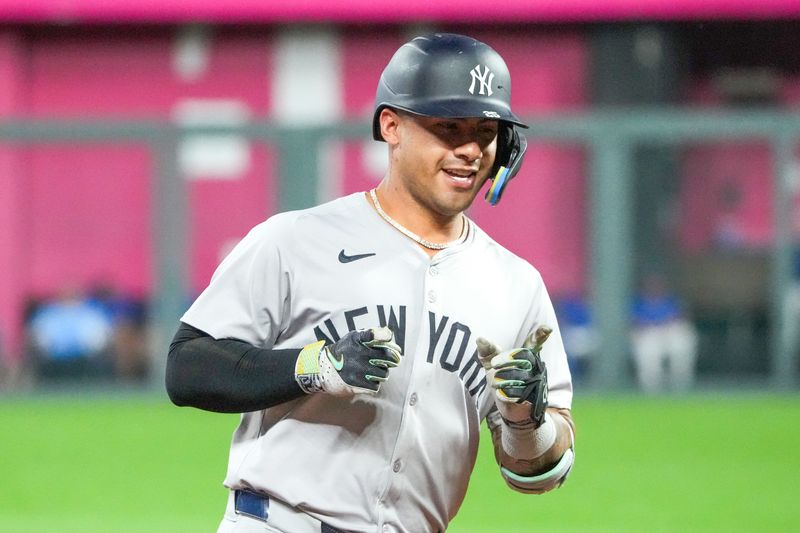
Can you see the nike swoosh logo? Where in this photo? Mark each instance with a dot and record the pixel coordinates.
(337, 363)
(344, 258)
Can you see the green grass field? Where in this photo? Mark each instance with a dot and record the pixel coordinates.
(137, 464)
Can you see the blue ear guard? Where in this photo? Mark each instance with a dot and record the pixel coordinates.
(510, 153)
(499, 183)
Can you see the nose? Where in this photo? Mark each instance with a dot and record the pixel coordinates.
(469, 151)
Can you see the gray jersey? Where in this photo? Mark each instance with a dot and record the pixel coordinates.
(399, 460)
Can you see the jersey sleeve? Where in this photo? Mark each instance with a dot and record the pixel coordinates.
(248, 296)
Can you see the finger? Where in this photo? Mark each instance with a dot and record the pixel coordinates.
(510, 387)
(382, 337)
(506, 365)
(364, 336)
(378, 372)
(508, 358)
(486, 350)
(382, 334)
(536, 339)
(383, 363)
(507, 391)
(392, 350)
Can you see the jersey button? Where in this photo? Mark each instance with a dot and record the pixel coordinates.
(413, 400)
(433, 271)
(397, 466)
(431, 296)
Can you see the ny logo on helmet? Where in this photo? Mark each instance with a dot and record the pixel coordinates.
(484, 80)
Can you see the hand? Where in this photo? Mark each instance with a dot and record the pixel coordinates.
(357, 363)
(518, 377)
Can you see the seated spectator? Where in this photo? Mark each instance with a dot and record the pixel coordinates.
(663, 341)
(70, 338)
(577, 332)
(129, 349)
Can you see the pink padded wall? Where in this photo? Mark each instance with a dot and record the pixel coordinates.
(13, 250)
(364, 55)
(409, 11)
(726, 188)
(106, 194)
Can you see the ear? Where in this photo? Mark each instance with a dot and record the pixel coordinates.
(389, 121)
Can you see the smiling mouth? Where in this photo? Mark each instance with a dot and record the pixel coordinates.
(461, 175)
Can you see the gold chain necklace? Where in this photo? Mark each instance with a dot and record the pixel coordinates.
(411, 235)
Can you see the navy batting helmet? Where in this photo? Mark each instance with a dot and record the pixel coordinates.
(454, 76)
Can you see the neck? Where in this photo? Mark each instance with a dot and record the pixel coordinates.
(429, 225)
(438, 236)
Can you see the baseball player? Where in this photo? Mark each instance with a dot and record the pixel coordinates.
(365, 339)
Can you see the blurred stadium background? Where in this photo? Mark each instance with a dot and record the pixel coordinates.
(139, 141)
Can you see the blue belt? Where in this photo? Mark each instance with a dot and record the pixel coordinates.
(257, 506)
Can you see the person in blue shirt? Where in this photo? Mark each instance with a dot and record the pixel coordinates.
(577, 332)
(663, 340)
(71, 336)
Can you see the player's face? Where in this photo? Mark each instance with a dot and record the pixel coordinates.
(443, 162)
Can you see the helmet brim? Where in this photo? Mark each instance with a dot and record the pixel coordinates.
(450, 108)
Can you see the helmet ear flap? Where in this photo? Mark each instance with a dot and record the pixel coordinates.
(511, 148)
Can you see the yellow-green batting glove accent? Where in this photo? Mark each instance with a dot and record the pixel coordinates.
(306, 369)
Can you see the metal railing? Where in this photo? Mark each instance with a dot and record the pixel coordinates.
(610, 138)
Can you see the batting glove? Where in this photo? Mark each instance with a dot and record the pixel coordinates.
(519, 379)
(357, 363)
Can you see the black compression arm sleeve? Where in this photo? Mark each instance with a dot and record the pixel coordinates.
(228, 375)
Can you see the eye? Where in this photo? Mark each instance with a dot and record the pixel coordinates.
(487, 134)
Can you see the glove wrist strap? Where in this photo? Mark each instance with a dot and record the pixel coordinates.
(307, 371)
(525, 442)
